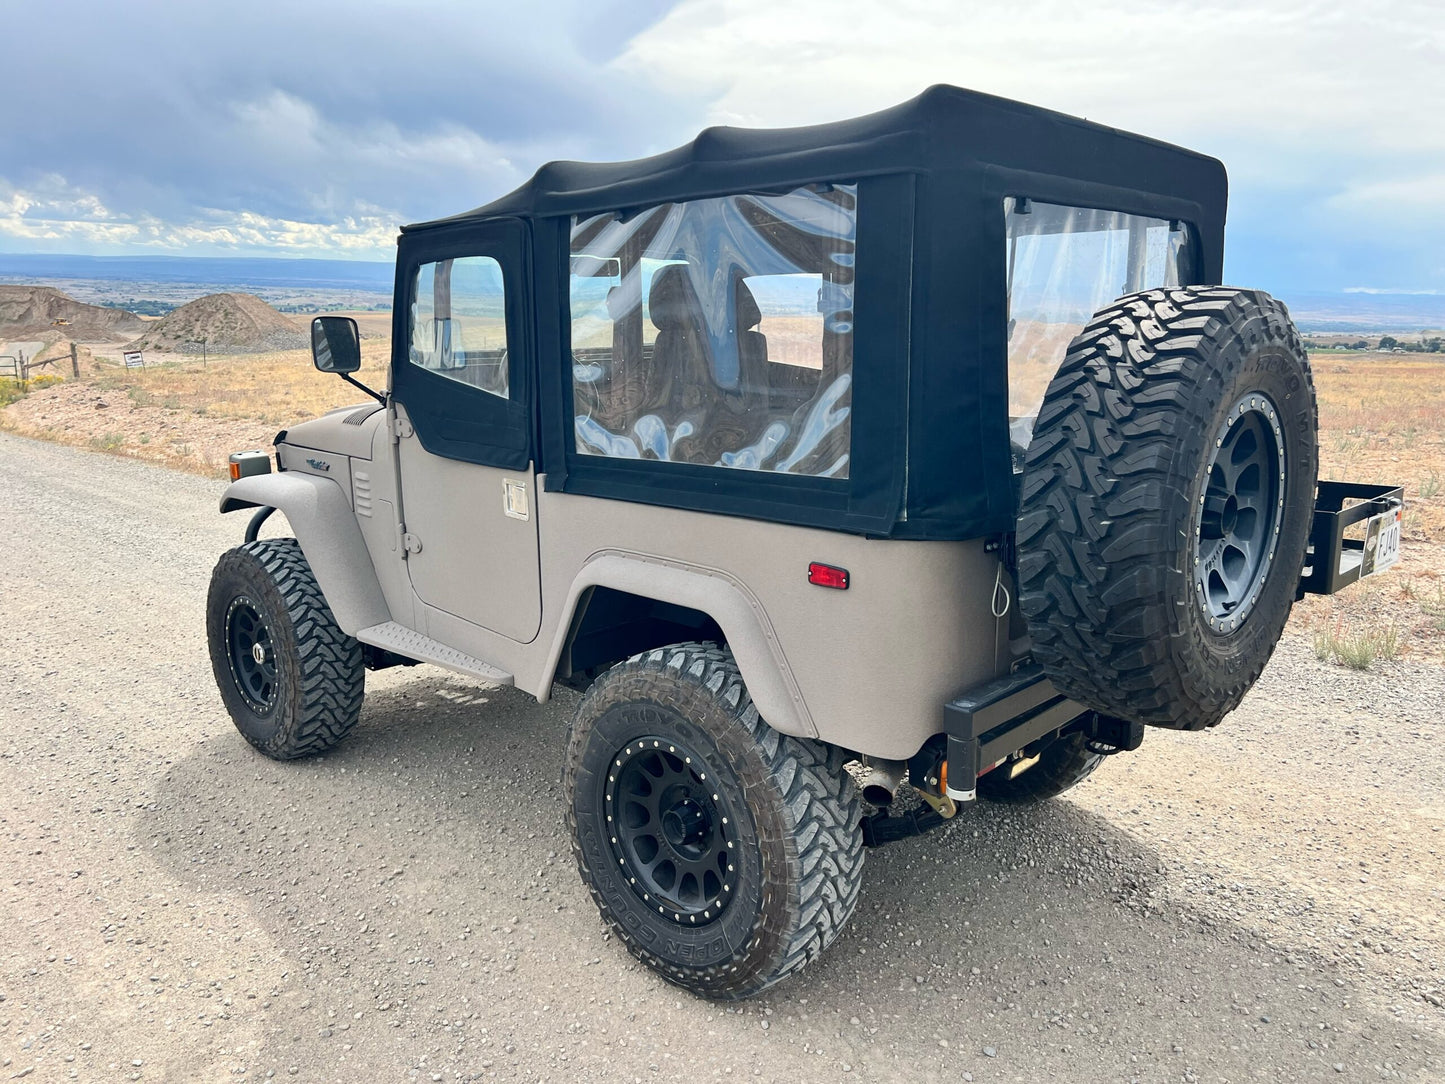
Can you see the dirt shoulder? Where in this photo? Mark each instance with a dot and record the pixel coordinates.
(117, 420)
(181, 412)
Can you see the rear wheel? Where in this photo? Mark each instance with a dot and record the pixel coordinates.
(723, 854)
(1060, 764)
(292, 681)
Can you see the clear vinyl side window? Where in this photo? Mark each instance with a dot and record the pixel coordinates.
(459, 322)
(1064, 265)
(718, 331)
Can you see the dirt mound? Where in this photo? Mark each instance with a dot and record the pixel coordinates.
(33, 312)
(228, 323)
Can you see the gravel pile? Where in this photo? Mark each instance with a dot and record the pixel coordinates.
(227, 323)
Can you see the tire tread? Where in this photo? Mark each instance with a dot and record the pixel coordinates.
(1094, 549)
(824, 840)
(330, 673)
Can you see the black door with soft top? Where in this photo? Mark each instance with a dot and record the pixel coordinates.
(460, 344)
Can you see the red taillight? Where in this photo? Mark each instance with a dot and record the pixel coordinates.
(828, 576)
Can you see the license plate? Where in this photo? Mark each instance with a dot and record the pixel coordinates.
(1382, 542)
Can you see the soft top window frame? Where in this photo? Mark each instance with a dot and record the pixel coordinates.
(454, 419)
(946, 471)
(868, 501)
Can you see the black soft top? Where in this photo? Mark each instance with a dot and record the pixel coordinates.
(931, 450)
(945, 127)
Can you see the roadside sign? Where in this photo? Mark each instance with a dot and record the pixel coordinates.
(134, 359)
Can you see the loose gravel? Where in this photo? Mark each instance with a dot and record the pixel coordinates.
(1259, 903)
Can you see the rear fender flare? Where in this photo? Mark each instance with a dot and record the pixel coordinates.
(726, 600)
(325, 526)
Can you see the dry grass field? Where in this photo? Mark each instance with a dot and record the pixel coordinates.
(185, 413)
(1382, 419)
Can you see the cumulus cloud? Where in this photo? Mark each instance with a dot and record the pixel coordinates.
(56, 217)
(252, 124)
(1328, 116)
(198, 116)
(1295, 70)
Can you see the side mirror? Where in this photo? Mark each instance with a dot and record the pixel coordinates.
(335, 344)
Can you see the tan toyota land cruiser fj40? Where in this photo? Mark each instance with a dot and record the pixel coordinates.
(927, 439)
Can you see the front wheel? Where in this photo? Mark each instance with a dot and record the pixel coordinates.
(722, 854)
(292, 681)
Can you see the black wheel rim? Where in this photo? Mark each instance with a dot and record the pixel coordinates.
(673, 832)
(1241, 510)
(252, 655)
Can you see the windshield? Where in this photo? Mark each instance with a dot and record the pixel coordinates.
(1064, 265)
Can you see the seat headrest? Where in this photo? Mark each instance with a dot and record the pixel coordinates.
(672, 302)
(616, 301)
(749, 315)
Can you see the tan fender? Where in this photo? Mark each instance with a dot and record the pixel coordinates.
(726, 600)
(324, 524)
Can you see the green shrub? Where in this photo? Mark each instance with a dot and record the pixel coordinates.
(1357, 650)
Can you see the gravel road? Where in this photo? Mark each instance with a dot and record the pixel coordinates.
(1260, 903)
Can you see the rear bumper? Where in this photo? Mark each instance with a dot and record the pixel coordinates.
(991, 722)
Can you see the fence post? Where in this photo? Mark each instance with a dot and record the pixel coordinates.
(74, 361)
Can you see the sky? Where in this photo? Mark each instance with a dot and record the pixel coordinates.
(316, 129)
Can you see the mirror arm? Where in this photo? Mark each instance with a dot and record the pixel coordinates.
(357, 383)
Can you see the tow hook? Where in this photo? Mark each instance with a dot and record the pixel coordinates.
(942, 804)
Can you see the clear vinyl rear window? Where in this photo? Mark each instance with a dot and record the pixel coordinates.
(1064, 265)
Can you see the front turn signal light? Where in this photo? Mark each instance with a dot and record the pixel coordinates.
(245, 464)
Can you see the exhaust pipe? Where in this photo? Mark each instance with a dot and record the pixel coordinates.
(881, 782)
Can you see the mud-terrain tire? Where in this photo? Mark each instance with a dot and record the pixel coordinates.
(1122, 494)
(301, 692)
(1063, 763)
(671, 774)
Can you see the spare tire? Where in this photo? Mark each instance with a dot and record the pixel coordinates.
(1166, 502)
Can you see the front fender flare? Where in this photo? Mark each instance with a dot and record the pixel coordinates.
(325, 526)
(722, 597)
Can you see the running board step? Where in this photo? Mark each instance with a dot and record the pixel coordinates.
(401, 640)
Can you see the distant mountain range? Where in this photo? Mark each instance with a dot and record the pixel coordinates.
(284, 281)
(205, 270)
(1366, 311)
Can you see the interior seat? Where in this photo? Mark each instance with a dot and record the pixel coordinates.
(722, 419)
(752, 344)
(682, 354)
